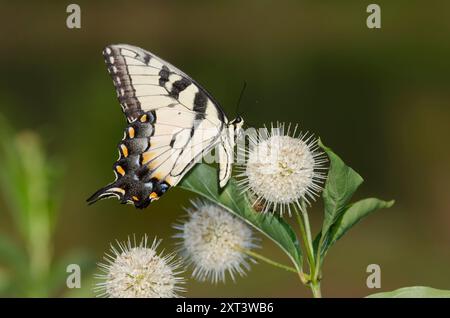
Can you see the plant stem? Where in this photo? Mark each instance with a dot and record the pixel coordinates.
(315, 288)
(266, 260)
(314, 264)
(305, 232)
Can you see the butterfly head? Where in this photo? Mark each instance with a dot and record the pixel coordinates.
(237, 123)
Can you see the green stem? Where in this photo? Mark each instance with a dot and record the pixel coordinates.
(314, 263)
(315, 288)
(305, 232)
(266, 260)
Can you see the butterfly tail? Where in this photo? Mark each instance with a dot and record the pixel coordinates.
(111, 190)
(131, 191)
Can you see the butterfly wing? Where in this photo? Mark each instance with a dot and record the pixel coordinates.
(172, 122)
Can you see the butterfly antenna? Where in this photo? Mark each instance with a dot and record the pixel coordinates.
(244, 86)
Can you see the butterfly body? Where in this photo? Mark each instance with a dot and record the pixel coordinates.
(172, 122)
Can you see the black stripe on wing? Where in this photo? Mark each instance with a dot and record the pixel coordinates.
(118, 69)
(137, 73)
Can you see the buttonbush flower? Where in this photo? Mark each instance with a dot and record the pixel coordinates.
(282, 169)
(139, 271)
(213, 241)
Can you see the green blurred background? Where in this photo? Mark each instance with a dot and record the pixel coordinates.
(379, 98)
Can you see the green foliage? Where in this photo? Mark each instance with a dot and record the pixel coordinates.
(342, 182)
(203, 181)
(339, 214)
(352, 215)
(413, 292)
(29, 185)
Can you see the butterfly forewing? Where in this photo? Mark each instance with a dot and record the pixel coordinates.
(172, 122)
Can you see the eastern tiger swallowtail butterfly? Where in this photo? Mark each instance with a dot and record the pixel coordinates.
(172, 122)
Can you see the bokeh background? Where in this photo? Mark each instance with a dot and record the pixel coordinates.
(379, 98)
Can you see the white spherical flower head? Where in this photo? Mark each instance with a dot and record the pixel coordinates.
(282, 169)
(213, 241)
(138, 271)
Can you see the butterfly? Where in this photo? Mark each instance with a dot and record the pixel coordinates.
(172, 121)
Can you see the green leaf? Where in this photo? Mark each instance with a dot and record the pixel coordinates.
(342, 182)
(203, 181)
(413, 292)
(352, 215)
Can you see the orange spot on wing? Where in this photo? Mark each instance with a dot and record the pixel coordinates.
(153, 196)
(143, 118)
(135, 198)
(124, 150)
(131, 132)
(120, 170)
(157, 175)
(171, 180)
(146, 157)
